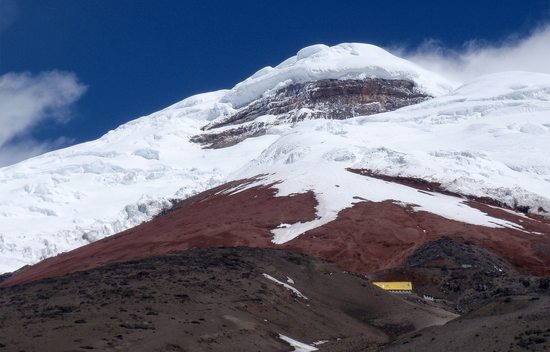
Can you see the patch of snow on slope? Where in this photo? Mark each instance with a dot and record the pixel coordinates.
(287, 286)
(337, 189)
(298, 346)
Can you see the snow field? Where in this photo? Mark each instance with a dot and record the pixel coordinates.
(489, 137)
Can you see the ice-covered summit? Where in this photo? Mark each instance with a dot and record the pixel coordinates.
(317, 62)
(342, 61)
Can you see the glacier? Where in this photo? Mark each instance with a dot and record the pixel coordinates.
(489, 137)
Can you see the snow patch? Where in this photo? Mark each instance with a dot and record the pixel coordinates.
(298, 346)
(352, 187)
(287, 286)
(320, 342)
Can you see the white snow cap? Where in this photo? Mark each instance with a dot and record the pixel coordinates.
(342, 61)
(488, 138)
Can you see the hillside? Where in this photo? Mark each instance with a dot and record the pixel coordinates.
(237, 299)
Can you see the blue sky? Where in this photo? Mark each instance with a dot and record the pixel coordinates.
(72, 70)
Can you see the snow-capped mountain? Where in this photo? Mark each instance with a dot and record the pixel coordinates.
(487, 138)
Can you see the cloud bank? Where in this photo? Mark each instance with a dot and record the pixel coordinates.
(27, 100)
(529, 53)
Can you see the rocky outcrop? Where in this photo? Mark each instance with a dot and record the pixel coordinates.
(463, 275)
(327, 99)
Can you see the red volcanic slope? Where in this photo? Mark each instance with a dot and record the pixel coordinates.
(210, 219)
(364, 238)
(374, 236)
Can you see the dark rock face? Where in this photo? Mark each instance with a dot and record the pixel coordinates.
(330, 99)
(463, 275)
(327, 99)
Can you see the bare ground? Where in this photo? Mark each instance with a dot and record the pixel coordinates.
(206, 300)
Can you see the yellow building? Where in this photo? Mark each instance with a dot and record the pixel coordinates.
(395, 285)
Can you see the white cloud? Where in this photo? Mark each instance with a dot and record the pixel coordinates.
(27, 100)
(529, 53)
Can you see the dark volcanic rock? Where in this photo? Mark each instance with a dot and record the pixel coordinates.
(462, 274)
(331, 99)
(5, 276)
(327, 99)
(206, 300)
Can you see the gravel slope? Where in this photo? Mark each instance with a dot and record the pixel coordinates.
(207, 300)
